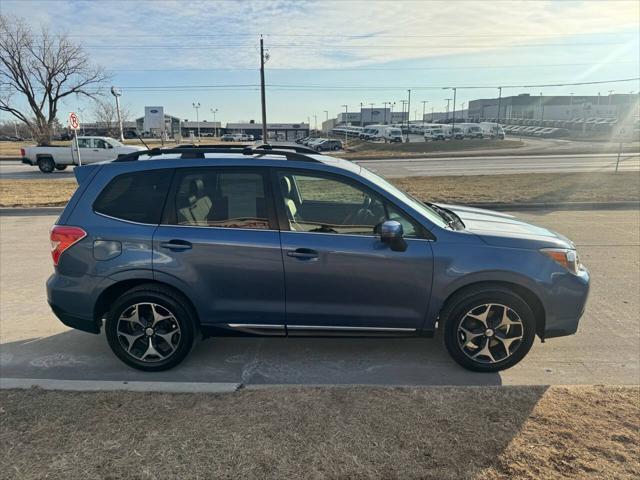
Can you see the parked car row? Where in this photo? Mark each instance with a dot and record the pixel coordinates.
(321, 144)
(237, 137)
(542, 132)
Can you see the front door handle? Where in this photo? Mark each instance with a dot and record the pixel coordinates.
(177, 245)
(303, 254)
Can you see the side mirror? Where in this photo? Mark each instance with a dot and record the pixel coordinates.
(109, 146)
(391, 233)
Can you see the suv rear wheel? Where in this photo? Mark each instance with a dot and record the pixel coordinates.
(488, 329)
(150, 329)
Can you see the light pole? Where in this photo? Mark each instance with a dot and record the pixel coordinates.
(346, 117)
(499, 105)
(197, 108)
(424, 105)
(384, 107)
(453, 126)
(408, 114)
(541, 110)
(315, 122)
(432, 110)
(447, 117)
(361, 118)
(326, 113)
(462, 110)
(215, 128)
(371, 112)
(610, 92)
(391, 105)
(117, 93)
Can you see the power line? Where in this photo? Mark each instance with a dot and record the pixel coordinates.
(303, 87)
(356, 69)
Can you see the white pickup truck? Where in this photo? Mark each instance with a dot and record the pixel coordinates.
(92, 149)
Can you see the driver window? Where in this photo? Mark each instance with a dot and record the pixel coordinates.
(99, 143)
(327, 205)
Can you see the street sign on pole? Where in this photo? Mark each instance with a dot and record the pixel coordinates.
(74, 124)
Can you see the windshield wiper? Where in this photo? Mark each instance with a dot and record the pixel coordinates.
(451, 219)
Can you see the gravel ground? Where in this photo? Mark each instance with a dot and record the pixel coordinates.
(331, 432)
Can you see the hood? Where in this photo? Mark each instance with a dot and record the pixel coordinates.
(132, 148)
(504, 230)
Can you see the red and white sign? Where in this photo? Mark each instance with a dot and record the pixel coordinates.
(74, 121)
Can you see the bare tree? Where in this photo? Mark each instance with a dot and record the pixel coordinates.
(106, 116)
(40, 70)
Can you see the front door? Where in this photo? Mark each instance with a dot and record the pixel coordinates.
(340, 278)
(220, 238)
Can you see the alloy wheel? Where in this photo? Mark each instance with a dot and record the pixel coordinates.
(148, 332)
(490, 333)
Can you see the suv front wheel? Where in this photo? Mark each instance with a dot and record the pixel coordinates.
(150, 329)
(488, 329)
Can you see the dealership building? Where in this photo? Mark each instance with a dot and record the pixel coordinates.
(541, 107)
(371, 116)
(275, 131)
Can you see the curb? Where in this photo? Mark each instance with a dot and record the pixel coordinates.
(40, 211)
(110, 385)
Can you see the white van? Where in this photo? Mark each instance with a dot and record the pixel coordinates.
(433, 132)
(383, 132)
(492, 130)
(470, 130)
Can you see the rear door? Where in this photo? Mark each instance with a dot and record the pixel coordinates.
(219, 240)
(339, 276)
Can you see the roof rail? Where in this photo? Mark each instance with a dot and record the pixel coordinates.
(193, 151)
(265, 146)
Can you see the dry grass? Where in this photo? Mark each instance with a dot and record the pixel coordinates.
(36, 193)
(339, 432)
(525, 188)
(518, 188)
(364, 150)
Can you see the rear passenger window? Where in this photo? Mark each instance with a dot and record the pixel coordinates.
(137, 197)
(215, 198)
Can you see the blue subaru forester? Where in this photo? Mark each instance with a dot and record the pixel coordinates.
(162, 245)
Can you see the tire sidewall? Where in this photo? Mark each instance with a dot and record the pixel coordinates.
(46, 165)
(465, 305)
(184, 319)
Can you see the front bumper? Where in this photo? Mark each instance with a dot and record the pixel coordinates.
(566, 304)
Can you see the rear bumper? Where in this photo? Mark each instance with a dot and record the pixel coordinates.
(26, 160)
(72, 300)
(73, 321)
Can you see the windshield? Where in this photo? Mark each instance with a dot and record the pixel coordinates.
(417, 205)
(113, 142)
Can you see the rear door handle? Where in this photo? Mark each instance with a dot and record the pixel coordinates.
(303, 254)
(177, 245)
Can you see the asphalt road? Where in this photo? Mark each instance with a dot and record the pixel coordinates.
(490, 165)
(606, 350)
(399, 167)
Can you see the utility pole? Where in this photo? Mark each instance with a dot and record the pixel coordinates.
(384, 104)
(326, 112)
(499, 105)
(448, 100)
(315, 122)
(262, 91)
(408, 114)
(391, 105)
(610, 92)
(371, 112)
(116, 93)
(453, 127)
(361, 117)
(432, 109)
(197, 107)
(346, 118)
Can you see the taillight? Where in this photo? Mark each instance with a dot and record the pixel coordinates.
(63, 237)
(22, 152)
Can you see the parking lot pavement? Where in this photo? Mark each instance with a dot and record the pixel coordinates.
(34, 344)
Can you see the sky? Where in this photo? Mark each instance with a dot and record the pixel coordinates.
(325, 54)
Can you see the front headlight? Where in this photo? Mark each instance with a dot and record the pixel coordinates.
(564, 256)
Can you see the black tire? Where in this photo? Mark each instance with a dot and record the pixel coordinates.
(455, 311)
(46, 164)
(61, 167)
(168, 300)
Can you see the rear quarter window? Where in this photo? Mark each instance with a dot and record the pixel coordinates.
(136, 197)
